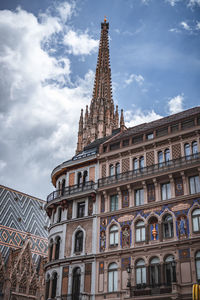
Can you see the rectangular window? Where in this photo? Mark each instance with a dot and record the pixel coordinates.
(113, 202)
(149, 136)
(194, 185)
(81, 210)
(166, 191)
(139, 197)
(125, 142)
(174, 127)
(162, 131)
(114, 146)
(137, 139)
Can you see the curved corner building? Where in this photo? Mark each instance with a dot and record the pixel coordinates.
(125, 213)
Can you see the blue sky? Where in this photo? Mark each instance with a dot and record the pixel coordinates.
(48, 55)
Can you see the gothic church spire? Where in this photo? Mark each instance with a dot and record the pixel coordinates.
(102, 117)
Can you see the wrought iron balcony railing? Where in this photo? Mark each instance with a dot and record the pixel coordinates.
(150, 170)
(71, 190)
(148, 290)
(77, 296)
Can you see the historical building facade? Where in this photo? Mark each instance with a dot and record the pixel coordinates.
(23, 245)
(125, 213)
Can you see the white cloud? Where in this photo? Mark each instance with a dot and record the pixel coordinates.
(185, 26)
(65, 10)
(39, 104)
(2, 165)
(175, 104)
(137, 116)
(80, 44)
(174, 30)
(133, 77)
(194, 2)
(198, 26)
(173, 2)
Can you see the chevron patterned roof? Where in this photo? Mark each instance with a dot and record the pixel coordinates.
(22, 215)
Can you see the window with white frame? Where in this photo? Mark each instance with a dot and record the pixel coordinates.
(139, 197)
(140, 272)
(114, 202)
(140, 231)
(154, 271)
(113, 235)
(80, 209)
(194, 184)
(112, 277)
(197, 260)
(78, 247)
(168, 230)
(196, 220)
(166, 191)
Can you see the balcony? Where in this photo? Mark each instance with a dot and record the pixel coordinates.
(81, 296)
(71, 190)
(160, 168)
(143, 290)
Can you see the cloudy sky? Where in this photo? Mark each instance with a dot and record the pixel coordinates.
(48, 54)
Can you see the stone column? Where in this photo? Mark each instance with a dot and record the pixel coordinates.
(106, 201)
(131, 198)
(119, 198)
(185, 190)
(157, 190)
(145, 191)
(172, 186)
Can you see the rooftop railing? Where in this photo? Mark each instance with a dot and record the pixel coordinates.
(71, 190)
(150, 170)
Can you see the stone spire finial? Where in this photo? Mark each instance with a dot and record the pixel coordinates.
(122, 124)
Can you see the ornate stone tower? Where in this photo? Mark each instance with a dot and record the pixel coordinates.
(101, 118)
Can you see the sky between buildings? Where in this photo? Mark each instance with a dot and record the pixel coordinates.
(48, 55)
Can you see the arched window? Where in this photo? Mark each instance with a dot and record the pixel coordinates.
(76, 283)
(85, 177)
(170, 270)
(78, 241)
(63, 187)
(140, 231)
(54, 285)
(59, 214)
(187, 150)
(194, 147)
(57, 248)
(197, 261)
(135, 164)
(141, 162)
(160, 158)
(47, 287)
(168, 230)
(50, 250)
(196, 220)
(167, 155)
(112, 277)
(117, 169)
(140, 272)
(79, 177)
(113, 235)
(155, 271)
(111, 170)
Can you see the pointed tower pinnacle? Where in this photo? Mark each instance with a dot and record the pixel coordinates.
(122, 124)
(101, 118)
